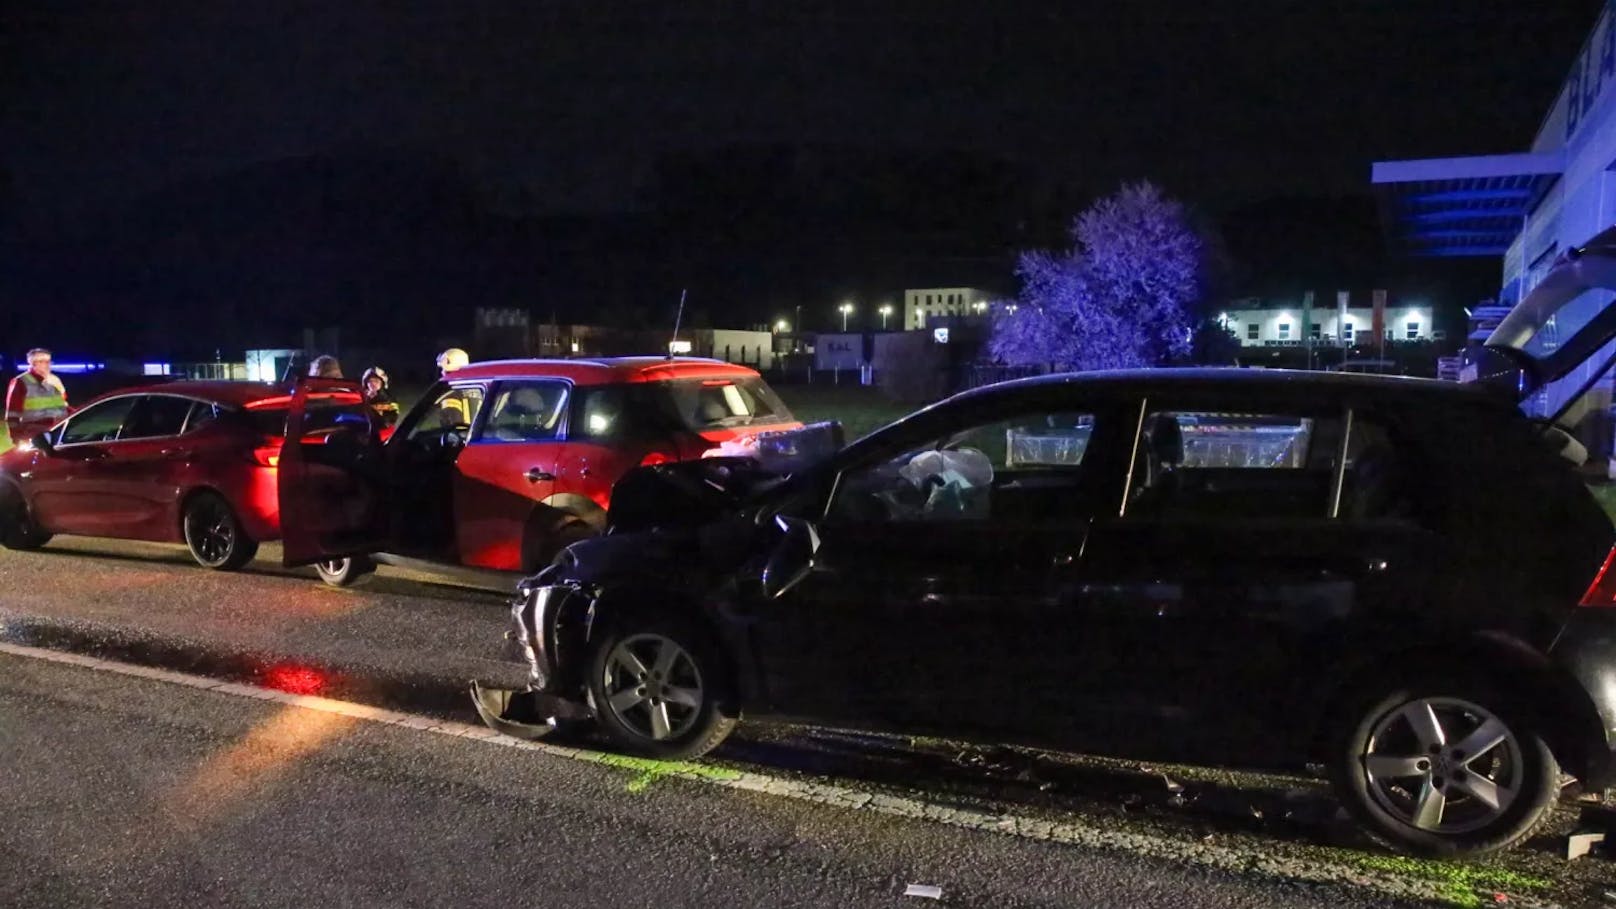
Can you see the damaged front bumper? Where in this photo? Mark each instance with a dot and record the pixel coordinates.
(548, 621)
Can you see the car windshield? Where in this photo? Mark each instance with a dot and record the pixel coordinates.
(705, 404)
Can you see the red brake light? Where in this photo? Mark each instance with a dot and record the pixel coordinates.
(655, 458)
(1602, 592)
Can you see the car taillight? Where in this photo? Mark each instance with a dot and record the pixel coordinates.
(1602, 592)
(655, 458)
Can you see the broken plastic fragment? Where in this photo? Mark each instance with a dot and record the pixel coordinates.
(1580, 844)
(924, 891)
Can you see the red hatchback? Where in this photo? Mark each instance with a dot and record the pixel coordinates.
(184, 462)
(504, 463)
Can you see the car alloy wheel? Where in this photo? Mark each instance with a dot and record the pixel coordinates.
(653, 687)
(1443, 765)
(215, 536)
(346, 572)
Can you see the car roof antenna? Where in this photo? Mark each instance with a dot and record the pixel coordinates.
(677, 318)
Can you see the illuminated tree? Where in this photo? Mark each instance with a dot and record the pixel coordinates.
(1120, 297)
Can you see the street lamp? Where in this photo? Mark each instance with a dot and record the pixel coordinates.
(781, 326)
(846, 309)
(981, 306)
(886, 310)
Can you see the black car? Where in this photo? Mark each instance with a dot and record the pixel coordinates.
(1401, 579)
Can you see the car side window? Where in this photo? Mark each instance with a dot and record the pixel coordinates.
(1026, 469)
(455, 406)
(156, 416)
(526, 411)
(1234, 465)
(99, 423)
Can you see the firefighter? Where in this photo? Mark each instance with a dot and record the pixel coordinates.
(36, 398)
(453, 408)
(378, 396)
(452, 359)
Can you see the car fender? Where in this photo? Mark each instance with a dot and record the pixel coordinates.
(575, 505)
(1570, 722)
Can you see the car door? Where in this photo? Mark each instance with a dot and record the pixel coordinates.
(144, 476)
(69, 481)
(507, 471)
(1228, 576)
(332, 476)
(940, 596)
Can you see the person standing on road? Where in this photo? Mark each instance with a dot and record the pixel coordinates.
(378, 397)
(36, 398)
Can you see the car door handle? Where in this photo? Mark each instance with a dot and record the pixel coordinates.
(176, 454)
(538, 475)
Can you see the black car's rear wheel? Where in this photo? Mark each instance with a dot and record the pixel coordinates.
(658, 689)
(215, 535)
(349, 572)
(1445, 768)
(18, 529)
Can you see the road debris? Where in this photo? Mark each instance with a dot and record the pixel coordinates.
(1580, 844)
(924, 891)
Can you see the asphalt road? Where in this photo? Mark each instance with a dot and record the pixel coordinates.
(126, 791)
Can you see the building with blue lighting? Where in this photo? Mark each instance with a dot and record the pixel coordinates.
(1525, 208)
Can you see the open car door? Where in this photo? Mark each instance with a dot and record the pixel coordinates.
(330, 477)
(1565, 326)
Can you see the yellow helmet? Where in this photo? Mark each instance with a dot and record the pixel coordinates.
(452, 359)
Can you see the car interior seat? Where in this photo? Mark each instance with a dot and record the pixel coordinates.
(526, 416)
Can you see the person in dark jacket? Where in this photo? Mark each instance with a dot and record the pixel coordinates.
(378, 396)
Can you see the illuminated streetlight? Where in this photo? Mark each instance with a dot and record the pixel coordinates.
(886, 310)
(981, 306)
(782, 326)
(846, 310)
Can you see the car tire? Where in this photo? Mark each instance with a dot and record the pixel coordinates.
(636, 665)
(545, 545)
(214, 534)
(354, 571)
(1444, 767)
(18, 530)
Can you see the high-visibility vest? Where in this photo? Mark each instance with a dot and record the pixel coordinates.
(44, 400)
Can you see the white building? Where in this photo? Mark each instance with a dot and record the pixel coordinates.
(925, 303)
(1528, 207)
(1277, 324)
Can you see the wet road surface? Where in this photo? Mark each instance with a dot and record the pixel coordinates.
(411, 642)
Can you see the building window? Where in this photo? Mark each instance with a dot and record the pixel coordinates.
(1317, 331)
(1253, 331)
(1346, 332)
(1413, 331)
(1284, 331)
(928, 299)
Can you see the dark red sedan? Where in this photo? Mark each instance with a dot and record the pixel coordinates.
(184, 462)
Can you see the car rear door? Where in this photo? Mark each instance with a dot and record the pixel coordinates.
(331, 477)
(507, 472)
(1228, 576)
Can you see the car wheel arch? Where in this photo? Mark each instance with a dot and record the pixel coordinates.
(547, 519)
(1569, 721)
(621, 603)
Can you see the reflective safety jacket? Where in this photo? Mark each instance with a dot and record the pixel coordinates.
(31, 399)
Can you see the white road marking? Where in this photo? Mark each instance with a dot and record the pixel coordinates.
(1225, 858)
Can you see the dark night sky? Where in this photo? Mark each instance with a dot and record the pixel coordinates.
(1224, 102)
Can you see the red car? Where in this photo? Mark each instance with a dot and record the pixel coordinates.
(191, 462)
(503, 463)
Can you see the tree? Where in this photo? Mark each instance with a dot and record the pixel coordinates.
(1120, 297)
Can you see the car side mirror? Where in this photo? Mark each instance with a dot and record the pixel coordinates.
(792, 558)
(42, 443)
